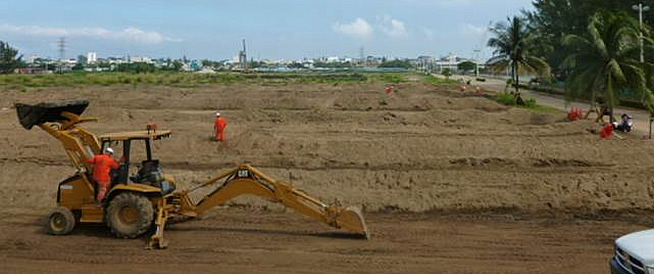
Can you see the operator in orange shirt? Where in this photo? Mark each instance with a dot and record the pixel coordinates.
(219, 126)
(102, 165)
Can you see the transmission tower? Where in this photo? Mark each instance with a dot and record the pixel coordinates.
(362, 56)
(61, 45)
(242, 57)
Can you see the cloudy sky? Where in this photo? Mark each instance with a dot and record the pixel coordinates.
(274, 29)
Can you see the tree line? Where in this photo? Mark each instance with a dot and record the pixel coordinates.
(592, 45)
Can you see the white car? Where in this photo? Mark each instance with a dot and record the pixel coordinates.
(634, 253)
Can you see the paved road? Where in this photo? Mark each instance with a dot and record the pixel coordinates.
(641, 117)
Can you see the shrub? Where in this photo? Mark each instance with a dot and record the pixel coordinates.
(506, 98)
(435, 80)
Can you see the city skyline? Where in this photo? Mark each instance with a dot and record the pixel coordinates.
(288, 30)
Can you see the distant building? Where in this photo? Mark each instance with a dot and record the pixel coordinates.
(425, 63)
(373, 61)
(332, 59)
(451, 61)
(32, 58)
(139, 60)
(92, 57)
(195, 65)
(32, 70)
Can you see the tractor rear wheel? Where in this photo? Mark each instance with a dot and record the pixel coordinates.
(61, 221)
(129, 215)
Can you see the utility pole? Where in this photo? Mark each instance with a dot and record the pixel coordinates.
(476, 59)
(640, 8)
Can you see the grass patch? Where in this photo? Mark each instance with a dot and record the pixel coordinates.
(509, 99)
(184, 79)
(429, 79)
(187, 79)
(394, 78)
(506, 98)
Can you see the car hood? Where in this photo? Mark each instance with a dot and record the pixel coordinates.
(639, 245)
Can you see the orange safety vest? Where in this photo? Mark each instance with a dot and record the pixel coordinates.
(102, 165)
(221, 123)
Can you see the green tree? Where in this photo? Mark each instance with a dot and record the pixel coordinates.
(9, 59)
(207, 63)
(104, 65)
(466, 66)
(396, 64)
(604, 61)
(296, 65)
(137, 67)
(447, 73)
(554, 19)
(514, 43)
(82, 59)
(78, 66)
(332, 65)
(256, 64)
(177, 65)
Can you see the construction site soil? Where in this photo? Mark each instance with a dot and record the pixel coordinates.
(449, 182)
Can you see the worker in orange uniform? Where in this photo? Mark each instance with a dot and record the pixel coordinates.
(219, 126)
(389, 89)
(102, 165)
(607, 131)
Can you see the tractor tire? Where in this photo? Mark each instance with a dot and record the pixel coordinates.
(129, 215)
(61, 221)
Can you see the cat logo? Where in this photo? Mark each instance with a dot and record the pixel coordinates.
(243, 173)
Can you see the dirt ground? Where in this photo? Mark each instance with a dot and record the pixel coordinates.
(449, 182)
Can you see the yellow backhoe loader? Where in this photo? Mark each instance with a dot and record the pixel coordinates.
(145, 200)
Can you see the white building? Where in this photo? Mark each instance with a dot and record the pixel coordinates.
(91, 57)
(333, 59)
(138, 59)
(32, 58)
(448, 62)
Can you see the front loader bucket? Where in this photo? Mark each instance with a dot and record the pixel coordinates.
(31, 115)
(351, 219)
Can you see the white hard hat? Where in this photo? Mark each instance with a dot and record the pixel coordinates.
(217, 113)
(109, 150)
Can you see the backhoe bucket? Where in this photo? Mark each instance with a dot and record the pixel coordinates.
(351, 219)
(31, 115)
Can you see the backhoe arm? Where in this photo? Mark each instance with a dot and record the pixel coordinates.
(60, 120)
(247, 180)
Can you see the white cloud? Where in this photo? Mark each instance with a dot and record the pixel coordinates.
(127, 34)
(393, 28)
(358, 28)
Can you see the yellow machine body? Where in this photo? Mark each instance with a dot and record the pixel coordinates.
(129, 202)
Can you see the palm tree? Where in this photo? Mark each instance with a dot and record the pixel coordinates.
(605, 61)
(9, 59)
(514, 42)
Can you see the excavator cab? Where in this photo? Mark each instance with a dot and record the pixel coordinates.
(134, 146)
